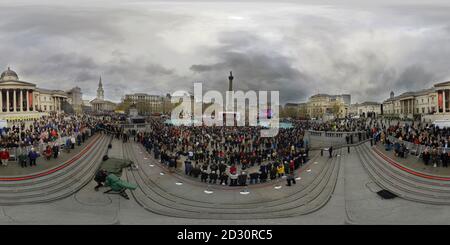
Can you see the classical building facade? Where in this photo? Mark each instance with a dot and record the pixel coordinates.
(325, 106)
(417, 104)
(20, 100)
(49, 100)
(146, 104)
(99, 104)
(365, 109)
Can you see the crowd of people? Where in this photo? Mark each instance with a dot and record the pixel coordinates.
(227, 155)
(238, 155)
(218, 155)
(427, 141)
(45, 137)
(339, 125)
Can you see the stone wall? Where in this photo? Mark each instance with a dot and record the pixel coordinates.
(319, 139)
(434, 117)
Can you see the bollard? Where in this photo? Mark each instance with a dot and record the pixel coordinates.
(321, 152)
(348, 149)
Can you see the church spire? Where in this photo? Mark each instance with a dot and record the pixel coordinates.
(100, 92)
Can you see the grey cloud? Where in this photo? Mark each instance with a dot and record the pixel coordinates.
(26, 21)
(415, 77)
(158, 70)
(60, 46)
(256, 68)
(203, 68)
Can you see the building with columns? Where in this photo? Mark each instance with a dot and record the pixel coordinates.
(20, 100)
(426, 104)
(146, 104)
(99, 104)
(325, 106)
(365, 109)
(49, 100)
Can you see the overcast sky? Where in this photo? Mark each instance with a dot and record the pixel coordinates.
(298, 48)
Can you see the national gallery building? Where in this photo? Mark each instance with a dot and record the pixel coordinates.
(20, 100)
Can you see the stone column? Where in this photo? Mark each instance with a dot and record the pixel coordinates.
(409, 106)
(21, 100)
(401, 107)
(8, 103)
(1, 100)
(14, 101)
(28, 100)
(443, 101)
(39, 102)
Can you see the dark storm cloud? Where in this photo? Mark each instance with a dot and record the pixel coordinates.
(255, 67)
(203, 68)
(43, 44)
(414, 77)
(297, 49)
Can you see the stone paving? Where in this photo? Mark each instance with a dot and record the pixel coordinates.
(354, 201)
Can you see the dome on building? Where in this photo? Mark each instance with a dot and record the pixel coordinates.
(9, 75)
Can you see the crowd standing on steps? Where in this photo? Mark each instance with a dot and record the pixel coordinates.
(46, 137)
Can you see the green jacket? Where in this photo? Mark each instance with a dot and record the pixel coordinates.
(117, 184)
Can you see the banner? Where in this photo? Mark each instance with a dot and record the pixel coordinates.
(440, 101)
(30, 98)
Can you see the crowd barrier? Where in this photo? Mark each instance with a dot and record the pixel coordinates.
(330, 138)
(138, 126)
